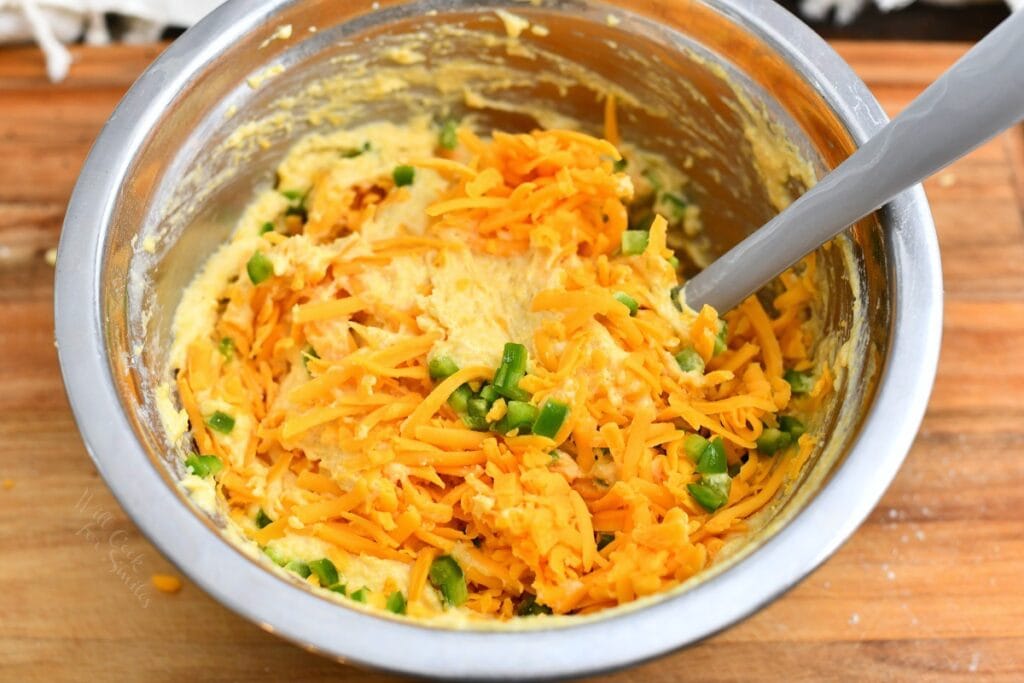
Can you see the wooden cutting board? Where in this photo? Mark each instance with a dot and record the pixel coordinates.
(930, 588)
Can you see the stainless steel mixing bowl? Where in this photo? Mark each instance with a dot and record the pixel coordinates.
(166, 167)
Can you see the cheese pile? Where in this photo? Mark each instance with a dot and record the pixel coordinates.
(307, 355)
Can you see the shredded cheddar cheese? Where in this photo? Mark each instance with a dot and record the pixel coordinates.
(342, 440)
(166, 583)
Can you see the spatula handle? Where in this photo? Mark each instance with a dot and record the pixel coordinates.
(979, 96)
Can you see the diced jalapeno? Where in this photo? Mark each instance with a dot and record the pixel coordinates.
(694, 446)
(489, 394)
(773, 440)
(510, 371)
(262, 519)
(204, 465)
(690, 361)
(477, 407)
(448, 138)
(325, 572)
(441, 367)
(674, 294)
(299, 567)
(226, 348)
(459, 399)
(627, 301)
(634, 242)
(792, 426)
(529, 607)
(552, 416)
(709, 498)
(275, 556)
(800, 382)
(396, 603)
(220, 422)
(353, 152)
(447, 577)
(259, 268)
(403, 175)
(722, 338)
(712, 460)
(519, 415)
(308, 354)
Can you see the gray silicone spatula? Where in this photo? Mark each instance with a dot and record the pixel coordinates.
(981, 95)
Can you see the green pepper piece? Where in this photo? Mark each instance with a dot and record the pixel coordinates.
(477, 407)
(447, 577)
(793, 426)
(477, 424)
(627, 301)
(552, 416)
(800, 382)
(448, 138)
(308, 354)
(694, 446)
(712, 460)
(459, 399)
(510, 371)
(773, 440)
(709, 498)
(354, 152)
(325, 571)
(689, 360)
(396, 603)
(441, 367)
(673, 294)
(299, 567)
(519, 415)
(489, 394)
(529, 607)
(403, 175)
(262, 519)
(203, 465)
(722, 338)
(259, 268)
(275, 556)
(720, 481)
(634, 242)
(220, 422)
(226, 348)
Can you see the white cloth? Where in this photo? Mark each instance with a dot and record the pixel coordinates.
(52, 23)
(845, 11)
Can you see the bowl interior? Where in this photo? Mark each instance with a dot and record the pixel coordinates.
(716, 99)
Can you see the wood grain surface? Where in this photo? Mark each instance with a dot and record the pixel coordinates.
(930, 588)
